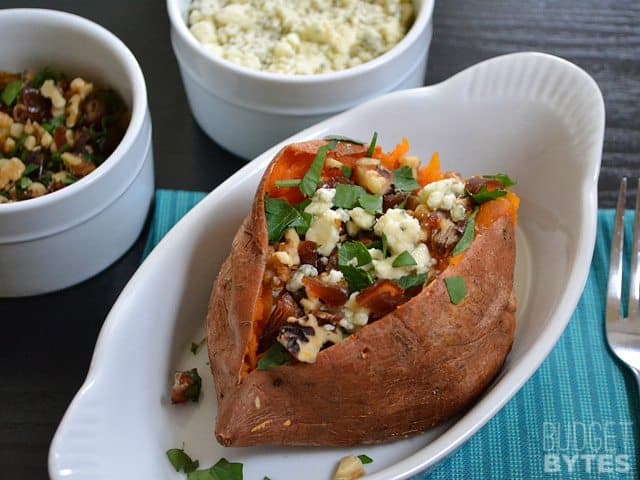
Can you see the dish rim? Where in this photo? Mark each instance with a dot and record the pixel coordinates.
(420, 22)
(470, 422)
(138, 102)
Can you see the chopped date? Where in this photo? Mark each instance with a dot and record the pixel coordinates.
(285, 307)
(392, 200)
(331, 295)
(186, 386)
(474, 184)
(308, 253)
(333, 181)
(381, 298)
(36, 107)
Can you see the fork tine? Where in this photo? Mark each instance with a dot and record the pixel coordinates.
(614, 286)
(634, 277)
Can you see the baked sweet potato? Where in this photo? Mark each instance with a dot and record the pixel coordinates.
(297, 366)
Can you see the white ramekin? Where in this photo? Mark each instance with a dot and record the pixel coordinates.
(246, 111)
(62, 238)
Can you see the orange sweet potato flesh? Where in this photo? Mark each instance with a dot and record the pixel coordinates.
(412, 369)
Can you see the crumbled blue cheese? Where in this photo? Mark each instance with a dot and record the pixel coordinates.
(355, 315)
(384, 268)
(326, 223)
(360, 220)
(295, 281)
(334, 277)
(402, 231)
(444, 195)
(321, 201)
(299, 36)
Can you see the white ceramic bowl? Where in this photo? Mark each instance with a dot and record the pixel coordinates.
(536, 117)
(59, 239)
(247, 111)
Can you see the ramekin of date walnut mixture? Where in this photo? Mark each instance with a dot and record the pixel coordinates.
(54, 130)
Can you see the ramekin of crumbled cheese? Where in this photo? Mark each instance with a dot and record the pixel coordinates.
(255, 72)
(299, 37)
(61, 120)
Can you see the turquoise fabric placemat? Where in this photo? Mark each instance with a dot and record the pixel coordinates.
(577, 417)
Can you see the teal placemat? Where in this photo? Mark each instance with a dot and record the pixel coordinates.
(573, 419)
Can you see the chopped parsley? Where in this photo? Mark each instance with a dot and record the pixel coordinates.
(404, 180)
(11, 92)
(280, 216)
(502, 178)
(467, 237)
(276, 356)
(371, 203)
(484, 195)
(347, 196)
(29, 169)
(346, 171)
(411, 281)
(288, 183)
(365, 459)
(223, 470)
(405, 259)
(349, 251)
(181, 461)
(372, 145)
(456, 289)
(195, 347)
(357, 278)
(311, 179)
(350, 196)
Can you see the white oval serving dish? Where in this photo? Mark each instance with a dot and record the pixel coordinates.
(62, 238)
(536, 117)
(247, 111)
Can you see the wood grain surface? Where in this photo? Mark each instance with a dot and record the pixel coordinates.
(46, 341)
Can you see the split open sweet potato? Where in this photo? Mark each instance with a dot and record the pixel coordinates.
(433, 331)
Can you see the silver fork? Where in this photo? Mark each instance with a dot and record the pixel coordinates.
(623, 334)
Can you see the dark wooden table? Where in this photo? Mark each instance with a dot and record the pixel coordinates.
(47, 341)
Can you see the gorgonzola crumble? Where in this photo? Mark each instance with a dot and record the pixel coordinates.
(299, 36)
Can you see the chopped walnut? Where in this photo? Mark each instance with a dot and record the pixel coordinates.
(372, 176)
(350, 468)
(10, 171)
(50, 91)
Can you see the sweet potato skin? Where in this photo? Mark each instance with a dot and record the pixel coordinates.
(414, 368)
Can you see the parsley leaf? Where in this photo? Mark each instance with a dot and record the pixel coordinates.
(280, 216)
(347, 195)
(404, 260)
(181, 461)
(372, 145)
(311, 179)
(404, 180)
(502, 178)
(365, 459)
(349, 251)
(340, 138)
(371, 203)
(276, 356)
(467, 237)
(193, 391)
(29, 169)
(195, 347)
(456, 289)
(357, 278)
(24, 183)
(11, 92)
(223, 470)
(346, 171)
(288, 183)
(45, 74)
(484, 196)
(54, 123)
(385, 245)
(411, 281)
